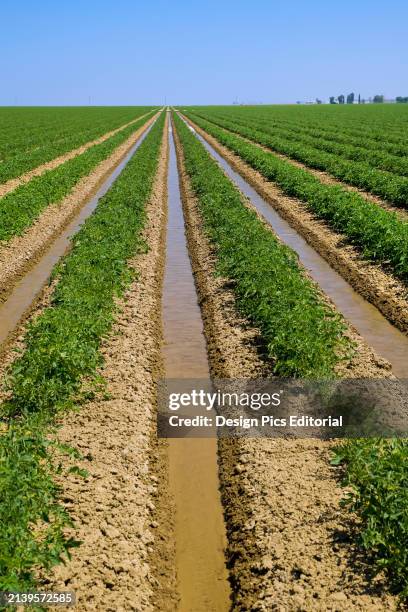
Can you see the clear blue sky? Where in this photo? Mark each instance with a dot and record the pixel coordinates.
(129, 52)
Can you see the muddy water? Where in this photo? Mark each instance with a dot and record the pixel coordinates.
(383, 337)
(199, 527)
(30, 285)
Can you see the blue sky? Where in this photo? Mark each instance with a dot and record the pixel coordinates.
(129, 52)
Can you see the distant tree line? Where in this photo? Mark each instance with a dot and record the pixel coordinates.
(378, 99)
(342, 100)
(351, 98)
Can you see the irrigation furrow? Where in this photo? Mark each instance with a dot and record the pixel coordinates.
(366, 319)
(199, 526)
(12, 184)
(123, 509)
(384, 291)
(280, 497)
(27, 261)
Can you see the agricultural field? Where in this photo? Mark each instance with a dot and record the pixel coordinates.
(227, 243)
(353, 150)
(30, 137)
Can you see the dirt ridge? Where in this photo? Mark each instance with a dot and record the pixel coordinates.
(328, 179)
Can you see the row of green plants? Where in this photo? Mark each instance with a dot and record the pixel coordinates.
(339, 133)
(58, 369)
(25, 128)
(380, 234)
(21, 207)
(302, 334)
(387, 185)
(380, 125)
(303, 338)
(376, 477)
(31, 137)
(335, 132)
(371, 120)
(319, 140)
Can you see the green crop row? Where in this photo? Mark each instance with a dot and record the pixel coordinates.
(62, 351)
(377, 480)
(319, 140)
(379, 122)
(338, 133)
(379, 125)
(387, 185)
(30, 137)
(25, 128)
(380, 234)
(21, 207)
(301, 332)
(334, 133)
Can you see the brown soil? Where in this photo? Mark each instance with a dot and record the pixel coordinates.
(290, 545)
(21, 252)
(380, 288)
(122, 509)
(57, 161)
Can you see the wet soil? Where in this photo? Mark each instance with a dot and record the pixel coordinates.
(194, 485)
(290, 546)
(328, 179)
(20, 254)
(27, 262)
(369, 323)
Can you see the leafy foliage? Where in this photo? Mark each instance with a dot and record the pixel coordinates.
(376, 470)
(303, 335)
(378, 477)
(62, 349)
(31, 519)
(281, 136)
(380, 128)
(341, 161)
(32, 136)
(20, 208)
(380, 234)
